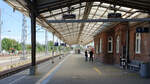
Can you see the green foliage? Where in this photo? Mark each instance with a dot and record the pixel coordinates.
(50, 45)
(8, 44)
(39, 47)
(28, 47)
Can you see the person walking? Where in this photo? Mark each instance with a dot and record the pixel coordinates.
(86, 55)
(91, 55)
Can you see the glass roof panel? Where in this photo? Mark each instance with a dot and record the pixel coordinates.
(135, 14)
(105, 4)
(125, 8)
(96, 3)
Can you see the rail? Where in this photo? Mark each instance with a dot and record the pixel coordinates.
(14, 70)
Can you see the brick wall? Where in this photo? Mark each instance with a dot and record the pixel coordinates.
(145, 45)
(120, 30)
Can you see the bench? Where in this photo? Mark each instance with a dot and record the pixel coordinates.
(134, 65)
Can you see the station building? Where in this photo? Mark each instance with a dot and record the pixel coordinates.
(110, 44)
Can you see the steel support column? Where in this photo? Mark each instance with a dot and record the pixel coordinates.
(33, 43)
(127, 44)
(59, 48)
(53, 50)
(46, 43)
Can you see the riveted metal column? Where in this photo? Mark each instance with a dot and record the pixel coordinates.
(46, 43)
(33, 43)
(127, 44)
(53, 50)
(59, 49)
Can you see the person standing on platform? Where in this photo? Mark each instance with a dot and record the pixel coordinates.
(91, 55)
(86, 55)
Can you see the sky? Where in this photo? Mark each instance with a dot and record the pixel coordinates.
(12, 25)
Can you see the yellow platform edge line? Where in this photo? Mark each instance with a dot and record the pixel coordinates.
(98, 71)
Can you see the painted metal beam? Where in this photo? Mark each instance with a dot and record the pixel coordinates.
(141, 5)
(85, 17)
(101, 20)
(33, 41)
(121, 10)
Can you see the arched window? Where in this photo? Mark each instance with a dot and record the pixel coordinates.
(138, 43)
(117, 44)
(110, 45)
(100, 45)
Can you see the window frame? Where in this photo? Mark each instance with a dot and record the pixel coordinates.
(100, 45)
(138, 43)
(110, 40)
(118, 44)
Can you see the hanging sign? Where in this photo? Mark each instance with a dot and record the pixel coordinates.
(142, 29)
(56, 44)
(69, 16)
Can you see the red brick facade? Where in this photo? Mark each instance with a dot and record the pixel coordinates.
(120, 30)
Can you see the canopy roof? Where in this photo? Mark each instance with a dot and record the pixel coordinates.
(79, 33)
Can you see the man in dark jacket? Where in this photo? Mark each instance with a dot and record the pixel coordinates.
(91, 55)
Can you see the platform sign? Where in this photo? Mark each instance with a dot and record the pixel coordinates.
(114, 15)
(63, 44)
(142, 30)
(56, 44)
(69, 16)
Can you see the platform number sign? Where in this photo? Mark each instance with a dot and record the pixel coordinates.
(142, 30)
(56, 44)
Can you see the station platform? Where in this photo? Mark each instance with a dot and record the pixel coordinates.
(72, 69)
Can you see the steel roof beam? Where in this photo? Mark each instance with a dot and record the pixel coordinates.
(85, 17)
(54, 3)
(126, 3)
(62, 12)
(82, 7)
(70, 33)
(101, 20)
(58, 6)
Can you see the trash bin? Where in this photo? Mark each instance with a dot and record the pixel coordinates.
(145, 70)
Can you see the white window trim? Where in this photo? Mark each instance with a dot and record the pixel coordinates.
(139, 43)
(110, 51)
(117, 44)
(100, 45)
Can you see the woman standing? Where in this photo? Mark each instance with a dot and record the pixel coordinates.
(86, 55)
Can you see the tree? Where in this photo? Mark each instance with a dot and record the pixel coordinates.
(39, 47)
(8, 44)
(50, 45)
(28, 47)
